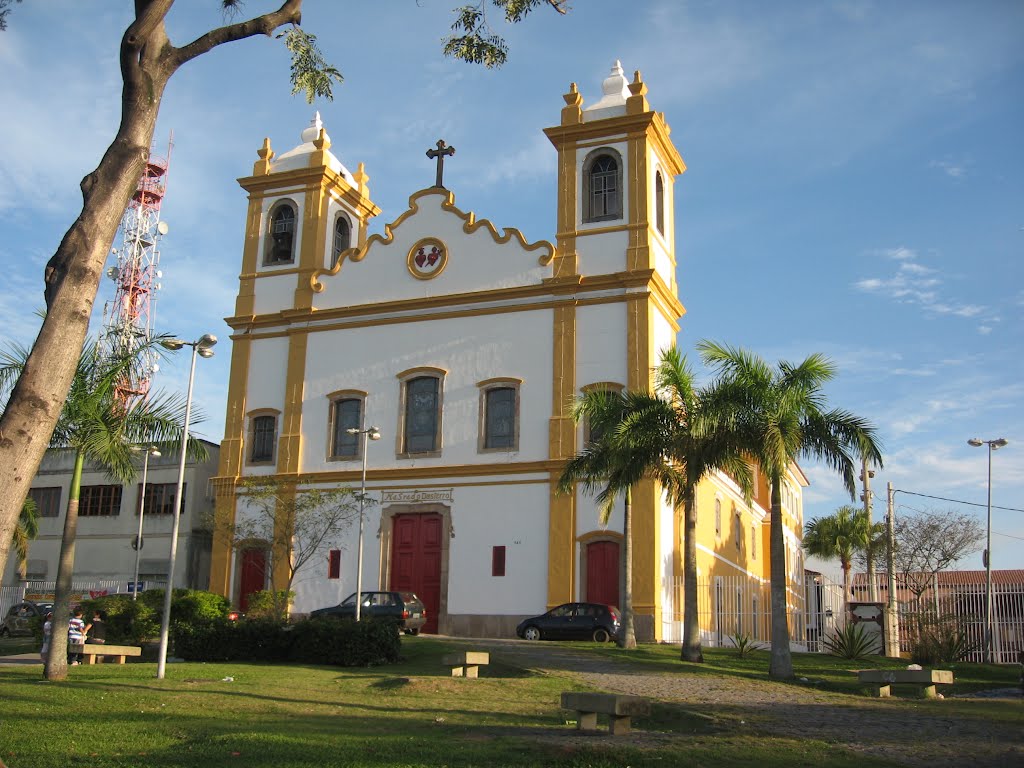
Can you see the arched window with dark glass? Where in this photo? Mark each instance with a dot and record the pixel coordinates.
(422, 416)
(281, 237)
(605, 201)
(500, 418)
(659, 202)
(342, 238)
(348, 413)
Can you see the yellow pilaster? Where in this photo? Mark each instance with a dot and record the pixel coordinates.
(562, 446)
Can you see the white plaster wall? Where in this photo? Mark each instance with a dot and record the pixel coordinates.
(476, 262)
(471, 349)
(601, 344)
(265, 389)
(521, 526)
(664, 336)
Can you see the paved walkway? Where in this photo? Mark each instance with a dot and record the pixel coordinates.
(896, 729)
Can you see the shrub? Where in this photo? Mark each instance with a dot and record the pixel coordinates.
(269, 605)
(135, 621)
(343, 643)
(852, 642)
(745, 644)
(941, 642)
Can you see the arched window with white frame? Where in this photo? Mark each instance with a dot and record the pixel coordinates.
(280, 239)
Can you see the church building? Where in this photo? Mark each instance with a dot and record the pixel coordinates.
(464, 343)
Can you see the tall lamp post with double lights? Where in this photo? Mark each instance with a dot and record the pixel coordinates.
(200, 347)
(151, 450)
(993, 445)
(368, 434)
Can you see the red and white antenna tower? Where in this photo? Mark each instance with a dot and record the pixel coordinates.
(128, 320)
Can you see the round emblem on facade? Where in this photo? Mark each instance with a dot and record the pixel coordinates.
(428, 258)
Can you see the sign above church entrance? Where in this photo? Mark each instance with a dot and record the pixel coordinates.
(427, 259)
(416, 496)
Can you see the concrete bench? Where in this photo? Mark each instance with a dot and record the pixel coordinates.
(618, 708)
(466, 664)
(926, 678)
(90, 651)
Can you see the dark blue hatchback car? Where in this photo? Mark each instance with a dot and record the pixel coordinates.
(573, 621)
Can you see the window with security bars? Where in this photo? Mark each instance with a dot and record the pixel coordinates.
(160, 498)
(281, 237)
(99, 501)
(47, 501)
(263, 433)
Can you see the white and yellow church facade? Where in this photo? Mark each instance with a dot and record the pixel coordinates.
(465, 344)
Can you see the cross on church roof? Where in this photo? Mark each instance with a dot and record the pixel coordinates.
(439, 153)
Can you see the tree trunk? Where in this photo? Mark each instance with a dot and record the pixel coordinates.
(691, 650)
(71, 281)
(57, 661)
(846, 565)
(627, 636)
(781, 665)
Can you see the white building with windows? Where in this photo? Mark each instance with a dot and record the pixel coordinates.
(465, 344)
(108, 524)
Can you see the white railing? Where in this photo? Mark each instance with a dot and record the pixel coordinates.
(42, 591)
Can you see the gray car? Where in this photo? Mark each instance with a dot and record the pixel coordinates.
(18, 620)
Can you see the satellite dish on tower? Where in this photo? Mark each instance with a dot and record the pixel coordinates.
(162, 227)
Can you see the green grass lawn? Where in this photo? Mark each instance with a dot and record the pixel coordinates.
(409, 714)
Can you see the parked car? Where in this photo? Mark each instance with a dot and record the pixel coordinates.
(573, 621)
(19, 617)
(404, 607)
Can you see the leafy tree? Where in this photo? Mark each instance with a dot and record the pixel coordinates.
(98, 426)
(148, 60)
(781, 414)
(26, 530)
(680, 422)
(840, 536)
(292, 526)
(611, 464)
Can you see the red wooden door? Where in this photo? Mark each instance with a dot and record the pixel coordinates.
(416, 561)
(254, 575)
(603, 572)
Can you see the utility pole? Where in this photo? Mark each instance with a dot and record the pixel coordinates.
(865, 477)
(892, 617)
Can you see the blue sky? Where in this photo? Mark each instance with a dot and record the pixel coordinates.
(854, 184)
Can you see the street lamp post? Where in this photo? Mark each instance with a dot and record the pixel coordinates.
(993, 445)
(368, 434)
(150, 451)
(200, 347)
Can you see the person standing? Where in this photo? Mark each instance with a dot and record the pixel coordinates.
(96, 630)
(47, 631)
(76, 636)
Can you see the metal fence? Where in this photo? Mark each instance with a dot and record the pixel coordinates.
(42, 591)
(733, 606)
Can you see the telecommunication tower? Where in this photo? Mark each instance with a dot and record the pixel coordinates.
(128, 320)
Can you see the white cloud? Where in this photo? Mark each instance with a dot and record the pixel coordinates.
(951, 169)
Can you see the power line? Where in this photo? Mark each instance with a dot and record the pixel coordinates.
(958, 501)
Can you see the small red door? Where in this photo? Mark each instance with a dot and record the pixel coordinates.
(254, 576)
(416, 561)
(603, 572)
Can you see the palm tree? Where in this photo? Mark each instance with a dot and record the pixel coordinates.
(840, 536)
(781, 413)
(26, 530)
(96, 424)
(612, 464)
(681, 422)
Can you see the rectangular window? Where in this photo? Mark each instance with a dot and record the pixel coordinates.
(263, 429)
(160, 498)
(99, 501)
(497, 561)
(47, 501)
(334, 564)
(347, 415)
(421, 414)
(500, 418)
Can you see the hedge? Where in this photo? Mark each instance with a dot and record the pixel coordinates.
(339, 642)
